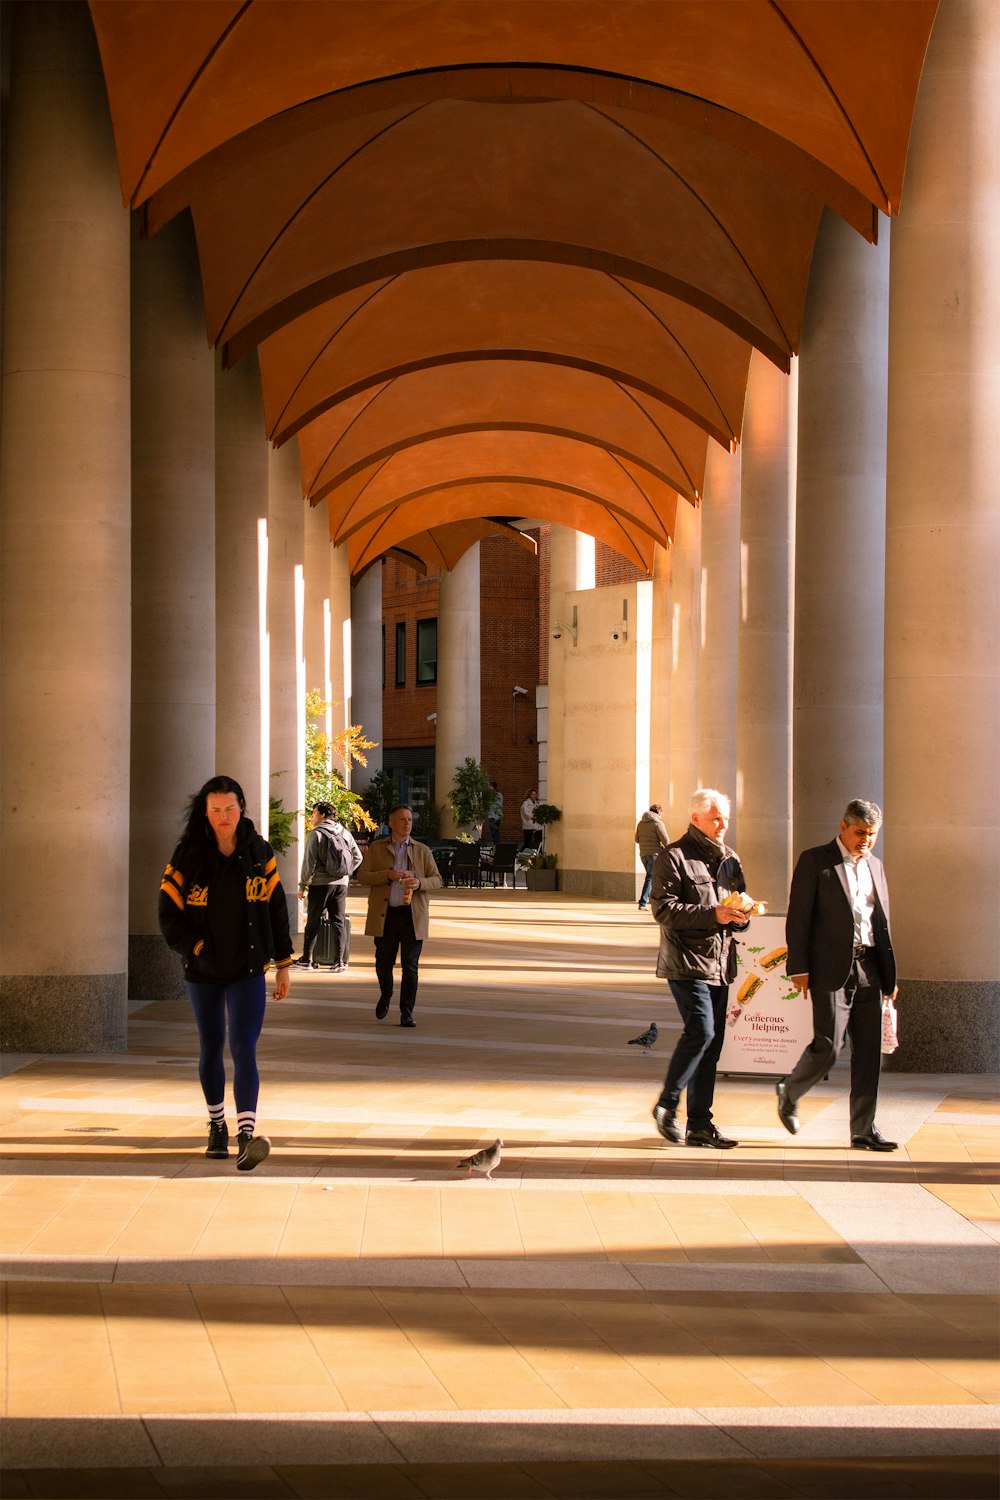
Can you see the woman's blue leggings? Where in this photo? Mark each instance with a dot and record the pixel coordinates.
(244, 1001)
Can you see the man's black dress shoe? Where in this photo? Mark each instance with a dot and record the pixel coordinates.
(786, 1109)
(666, 1124)
(406, 1019)
(709, 1136)
(382, 1010)
(873, 1142)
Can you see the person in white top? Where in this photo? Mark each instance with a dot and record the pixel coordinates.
(840, 954)
(531, 832)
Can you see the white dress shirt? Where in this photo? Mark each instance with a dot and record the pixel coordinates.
(862, 889)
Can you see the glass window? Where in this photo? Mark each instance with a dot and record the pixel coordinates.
(427, 650)
(401, 653)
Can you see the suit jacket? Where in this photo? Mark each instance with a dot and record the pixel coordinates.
(374, 874)
(819, 927)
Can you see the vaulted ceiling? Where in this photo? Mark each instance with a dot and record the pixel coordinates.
(508, 258)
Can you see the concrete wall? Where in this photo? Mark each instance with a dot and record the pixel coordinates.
(605, 717)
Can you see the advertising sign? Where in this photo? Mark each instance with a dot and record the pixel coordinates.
(768, 1023)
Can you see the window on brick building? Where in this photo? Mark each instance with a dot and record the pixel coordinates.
(401, 653)
(427, 651)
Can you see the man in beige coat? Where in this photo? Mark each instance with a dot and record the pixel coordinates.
(399, 873)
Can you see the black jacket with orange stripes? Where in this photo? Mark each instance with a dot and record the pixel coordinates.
(183, 906)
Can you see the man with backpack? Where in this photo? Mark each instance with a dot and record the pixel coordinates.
(330, 859)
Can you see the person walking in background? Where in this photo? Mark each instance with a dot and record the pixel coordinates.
(691, 879)
(531, 832)
(223, 909)
(840, 954)
(399, 873)
(651, 836)
(329, 860)
(495, 815)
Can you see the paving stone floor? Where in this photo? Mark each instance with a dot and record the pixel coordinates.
(609, 1316)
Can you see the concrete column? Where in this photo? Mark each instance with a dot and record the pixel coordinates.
(340, 651)
(942, 765)
(763, 744)
(685, 629)
(64, 694)
(660, 660)
(316, 625)
(366, 668)
(316, 631)
(458, 685)
(242, 711)
(840, 531)
(572, 567)
(720, 618)
(285, 599)
(173, 579)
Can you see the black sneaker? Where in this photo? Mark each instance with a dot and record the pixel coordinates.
(253, 1150)
(406, 1019)
(218, 1141)
(303, 963)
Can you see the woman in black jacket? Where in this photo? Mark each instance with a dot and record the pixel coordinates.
(222, 908)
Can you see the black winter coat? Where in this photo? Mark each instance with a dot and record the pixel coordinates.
(690, 878)
(183, 907)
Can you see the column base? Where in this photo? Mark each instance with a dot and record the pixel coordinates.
(603, 885)
(947, 1026)
(154, 970)
(63, 1013)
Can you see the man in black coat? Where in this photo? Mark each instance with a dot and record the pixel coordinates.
(840, 954)
(691, 879)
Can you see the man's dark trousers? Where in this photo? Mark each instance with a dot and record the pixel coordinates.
(397, 935)
(855, 1012)
(692, 1067)
(334, 899)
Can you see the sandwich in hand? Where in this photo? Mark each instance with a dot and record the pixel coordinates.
(740, 901)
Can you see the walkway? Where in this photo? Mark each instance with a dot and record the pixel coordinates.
(609, 1316)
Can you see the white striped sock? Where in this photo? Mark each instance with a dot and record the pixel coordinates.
(246, 1121)
(217, 1114)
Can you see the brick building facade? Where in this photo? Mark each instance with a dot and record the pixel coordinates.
(514, 652)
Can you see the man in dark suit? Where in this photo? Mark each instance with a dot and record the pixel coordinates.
(840, 954)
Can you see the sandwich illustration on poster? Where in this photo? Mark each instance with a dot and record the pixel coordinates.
(768, 1023)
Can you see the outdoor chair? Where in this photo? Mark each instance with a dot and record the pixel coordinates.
(501, 865)
(465, 865)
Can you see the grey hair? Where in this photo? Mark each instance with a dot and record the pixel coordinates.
(703, 798)
(860, 811)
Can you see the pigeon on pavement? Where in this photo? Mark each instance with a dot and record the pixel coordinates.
(483, 1161)
(647, 1039)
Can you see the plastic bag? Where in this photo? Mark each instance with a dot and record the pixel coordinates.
(890, 1027)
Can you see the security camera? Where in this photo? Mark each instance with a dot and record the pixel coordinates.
(620, 632)
(520, 692)
(557, 635)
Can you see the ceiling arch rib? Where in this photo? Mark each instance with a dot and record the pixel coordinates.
(452, 463)
(813, 73)
(441, 400)
(627, 100)
(651, 344)
(452, 180)
(443, 546)
(561, 503)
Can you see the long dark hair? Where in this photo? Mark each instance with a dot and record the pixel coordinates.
(197, 842)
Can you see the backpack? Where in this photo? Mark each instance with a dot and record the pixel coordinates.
(334, 855)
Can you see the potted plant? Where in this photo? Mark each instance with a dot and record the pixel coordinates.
(470, 796)
(546, 813)
(540, 872)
